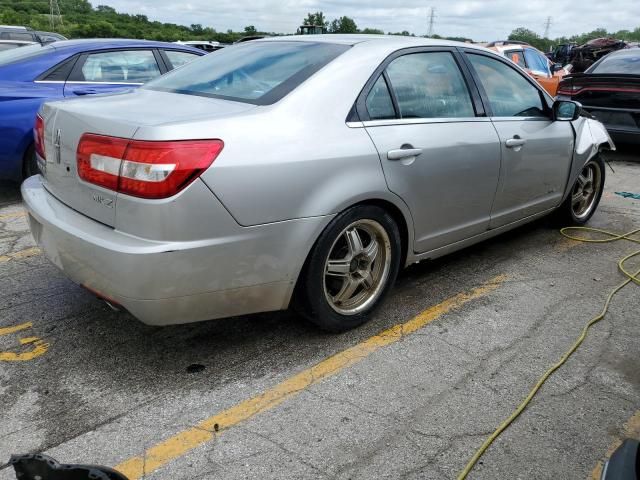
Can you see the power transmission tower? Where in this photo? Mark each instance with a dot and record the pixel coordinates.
(432, 17)
(54, 14)
(547, 26)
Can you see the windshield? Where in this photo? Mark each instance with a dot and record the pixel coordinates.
(254, 72)
(627, 62)
(22, 53)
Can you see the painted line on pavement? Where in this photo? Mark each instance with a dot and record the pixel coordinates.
(631, 429)
(28, 252)
(185, 441)
(40, 347)
(9, 216)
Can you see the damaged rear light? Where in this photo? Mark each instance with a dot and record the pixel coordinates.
(145, 169)
(38, 136)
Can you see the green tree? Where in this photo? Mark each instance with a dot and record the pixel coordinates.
(250, 30)
(532, 38)
(343, 25)
(317, 19)
(372, 31)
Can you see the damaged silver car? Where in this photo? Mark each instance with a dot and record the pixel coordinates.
(302, 171)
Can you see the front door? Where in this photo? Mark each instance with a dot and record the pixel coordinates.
(436, 154)
(111, 71)
(536, 151)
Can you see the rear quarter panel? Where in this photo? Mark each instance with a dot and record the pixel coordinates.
(297, 158)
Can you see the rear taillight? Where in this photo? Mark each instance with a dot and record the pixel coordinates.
(145, 169)
(568, 89)
(38, 136)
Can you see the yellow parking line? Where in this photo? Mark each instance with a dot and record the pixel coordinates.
(39, 346)
(631, 429)
(29, 252)
(181, 443)
(8, 216)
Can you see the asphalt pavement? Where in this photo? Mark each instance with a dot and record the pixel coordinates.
(412, 394)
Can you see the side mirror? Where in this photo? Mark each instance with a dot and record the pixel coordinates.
(566, 110)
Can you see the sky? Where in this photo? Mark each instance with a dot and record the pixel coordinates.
(476, 19)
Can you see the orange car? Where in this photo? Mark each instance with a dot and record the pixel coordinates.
(533, 61)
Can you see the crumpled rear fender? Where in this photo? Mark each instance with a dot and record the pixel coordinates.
(590, 137)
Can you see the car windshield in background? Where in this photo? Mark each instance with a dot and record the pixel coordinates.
(627, 62)
(254, 72)
(22, 53)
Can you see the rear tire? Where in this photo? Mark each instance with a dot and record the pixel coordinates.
(585, 194)
(30, 163)
(351, 268)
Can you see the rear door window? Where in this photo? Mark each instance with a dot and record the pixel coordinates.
(509, 93)
(379, 103)
(430, 85)
(120, 66)
(178, 59)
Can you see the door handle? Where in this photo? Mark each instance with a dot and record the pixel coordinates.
(515, 142)
(402, 153)
(87, 91)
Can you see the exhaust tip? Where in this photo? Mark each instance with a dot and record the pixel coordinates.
(112, 306)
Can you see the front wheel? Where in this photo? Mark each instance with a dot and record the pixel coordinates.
(585, 195)
(351, 268)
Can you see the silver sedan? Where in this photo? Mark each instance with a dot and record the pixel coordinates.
(302, 171)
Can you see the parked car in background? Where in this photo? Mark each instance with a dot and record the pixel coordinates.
(583, 56)
(11, 44)
(207, 46)
(30, 75)
(211, 191)
(561, 54)
(610, 91)
(534, 62)
(28, 35)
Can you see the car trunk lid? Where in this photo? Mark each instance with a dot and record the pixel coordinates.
(119, 115)
(603, 90)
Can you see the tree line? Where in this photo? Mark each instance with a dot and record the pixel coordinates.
(82, 20)
(545, 44)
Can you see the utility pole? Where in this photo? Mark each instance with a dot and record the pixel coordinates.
(432, 16)
(547, 26)
(54, 14)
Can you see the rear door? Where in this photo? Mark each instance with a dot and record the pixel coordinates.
(536, 151)
(112, 71)
(438, 153)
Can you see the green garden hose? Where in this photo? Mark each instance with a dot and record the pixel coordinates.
(630, 278)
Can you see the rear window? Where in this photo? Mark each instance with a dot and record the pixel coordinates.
(627, 62)
(22, 53)
(260, 73)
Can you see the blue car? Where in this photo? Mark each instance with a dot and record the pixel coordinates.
(34, 74)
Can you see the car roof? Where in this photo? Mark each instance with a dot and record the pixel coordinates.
(89, 44)
(399, 41)
(25, 42)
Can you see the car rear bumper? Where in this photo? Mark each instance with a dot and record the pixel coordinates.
(622, 125)
(161, 283)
